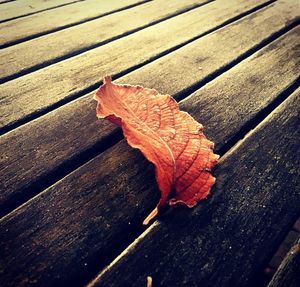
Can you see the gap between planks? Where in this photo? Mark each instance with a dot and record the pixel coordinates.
(287, 273)
(117, 136)
(38, 11)
(86, 156)
(44, 110)
(6, 1)
(79, 51)
(52, 30)
(280, 254)
(156, 224)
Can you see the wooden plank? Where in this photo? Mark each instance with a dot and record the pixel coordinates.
(73, 77)
(288, 271)
(6, 1)
(226, 240)
(21, 8)
(93, 213)
(64, 44)
(29, 27)
(281, 252)
(44, 155)
(45, 139)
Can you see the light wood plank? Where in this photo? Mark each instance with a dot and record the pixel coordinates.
(93, 213)
(6, 1)
(68, 78)
(44, 150)
(17, 30)
(226, 240)
(24, 7)
(18, 59)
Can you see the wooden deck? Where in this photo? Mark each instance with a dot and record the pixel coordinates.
(74, 194)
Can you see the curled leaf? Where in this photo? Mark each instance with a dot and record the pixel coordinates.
(169, 138)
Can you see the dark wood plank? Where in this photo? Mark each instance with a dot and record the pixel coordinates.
(31, 26)
(226, 240)
(69, 79)
(93, 213)
(288, 274)
(45, 156)
(21, 8)
(277, 258)
(65, 43)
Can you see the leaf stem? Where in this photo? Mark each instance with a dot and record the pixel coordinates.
(152, 214)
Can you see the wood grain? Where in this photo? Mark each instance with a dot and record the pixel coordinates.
(81, 223)
(226, 240)
(24, 7)
(6, 1)
(288, 271)
(20, 29)
(40, 152)
(74, 76)
(79, 38)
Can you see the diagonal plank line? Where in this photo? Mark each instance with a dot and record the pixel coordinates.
(259, 121)
(71, 165)
(142, 232)
(39, 11)
(116, 252)
(44, 181)
(14, 42)
(124, 252)
(286, 273)
(91, 47)
(260, 117)
(189, 90)
(6, 1)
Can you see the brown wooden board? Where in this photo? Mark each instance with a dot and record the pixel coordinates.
(75, 76)
(19, 59)
(226, 240)
(39, 153)
(82, 222)
(288, 274)
(29, 27)
(23, 8)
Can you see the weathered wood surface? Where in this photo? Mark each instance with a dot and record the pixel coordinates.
(23, 8)
(77, 39)
(29, 27)
(226, 240)
(93, 213)
(6, 1)
(288, 274)
(45, 149)
(73, 77)
(282, 250)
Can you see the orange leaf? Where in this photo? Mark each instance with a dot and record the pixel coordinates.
(169, 138)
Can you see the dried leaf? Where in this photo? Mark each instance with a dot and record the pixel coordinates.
(169, 138)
